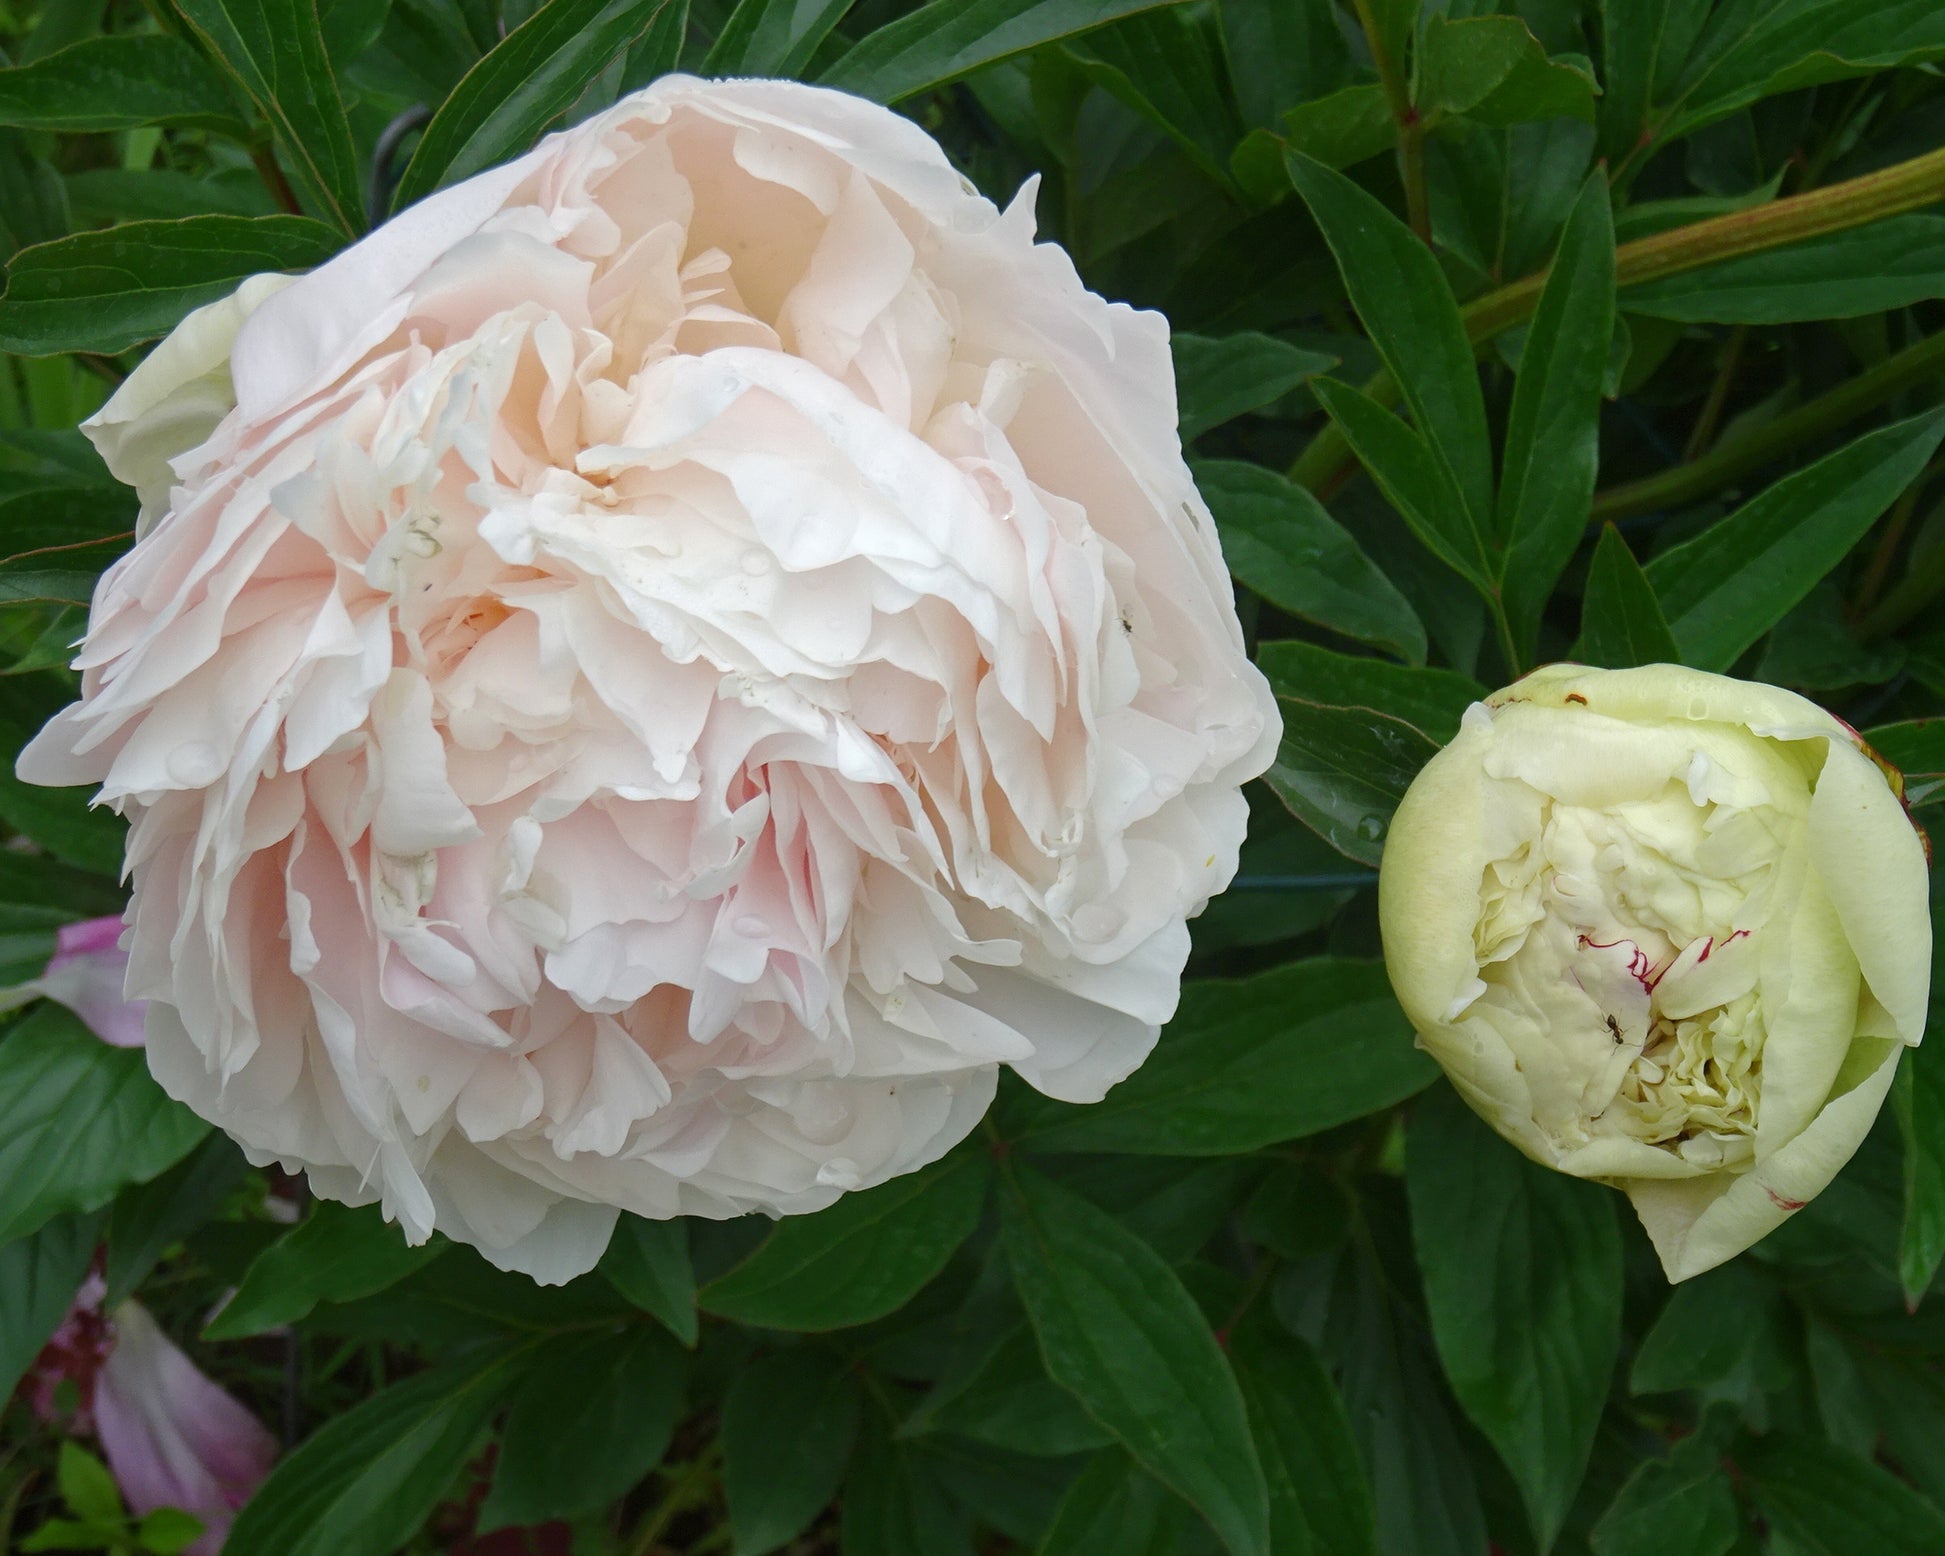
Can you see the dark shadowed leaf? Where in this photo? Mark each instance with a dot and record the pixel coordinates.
(1681, 1503)
(788, 1421)
(79, 1121)
(860, 1259)
(1250, 1062)
(1826, 1502)
(648, 1263)
(39, 1276)
(150, 1217)
(336, 1254)
(1918, 1094)
(1522, 1274)
(1114, 1505)
(1888, 264)
(1278, 540)
(1117, 1328)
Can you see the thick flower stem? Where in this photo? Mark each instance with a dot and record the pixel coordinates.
(1906, 186)
(1814, 418)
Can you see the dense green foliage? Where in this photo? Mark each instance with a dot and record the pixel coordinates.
(1274, 1294)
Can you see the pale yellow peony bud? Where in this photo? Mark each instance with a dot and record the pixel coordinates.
(1667, 930)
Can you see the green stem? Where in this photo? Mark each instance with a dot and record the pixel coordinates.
(1503, 629)
(1905, 186)
(1703, 432)
(1411, 129)
(1810, 420)
(689, 1487)
(1910, 597)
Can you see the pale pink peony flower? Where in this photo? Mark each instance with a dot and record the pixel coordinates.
(88, 973)
(653, 675)
(172, 1437)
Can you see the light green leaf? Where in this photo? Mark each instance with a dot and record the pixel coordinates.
(106, 291)
(1491, 68)
(1278, 540)
(862, 1258)
(274, 49)
(1353, 123)
(506, 100)
(1522, 1274)
(1118, 1330)
(1621, 624)
(947, 39)
(79, 1121)
(118, 83)
(87, 1487)
(1738, 578)
(1250, 1062)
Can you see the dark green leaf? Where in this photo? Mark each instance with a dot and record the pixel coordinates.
(1320, 1504)
(862, 1258)
(39, 1276)
(149, 1218)
(788, 1424)
(658, 50)
(1553, 429)
(1281, 55)
(1621, 624)
(112, 194)
(1707, 1332)
(118, 83)
(1246, 1063)
(1166, 64)
(1491, 68)
(1428, 699)
(336, 1254)
(55, 542)
(1827, 1503)
(107, 291)
(1220, 378)
(893, 1504)
(1523, 1284)
(1887, 264)
(366, 1480)
(33, 202)
(1918, 1094)
(62, 822)
(79, 1121)
(1682, 1503)
(1342, 771)
(1279, 541)
(1117, 1328)
(1114, 1506)
(1353, 123)
(648, 1263)
(275, 51)
(592, 1415)
(773, 37)
(1406, 305)
(1010, 1402)
(460, 1299)
(511, 95)
(1917, 749)
(947, 39)
(1414, 479)
(1738, 578)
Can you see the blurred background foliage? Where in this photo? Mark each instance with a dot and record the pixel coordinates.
(1278, 1293)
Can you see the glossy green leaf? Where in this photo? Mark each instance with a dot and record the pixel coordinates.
(1117, 1329)
(1918, 1094)
(107, 291)
(1492, 68)
(1113, 1505)
(1353, 123)
(365, 1481)
(788, 1422)
(1552, 451)
(1342, 772)
(1738, 578)
(860, 1259)
(648, 1263)
(1406, 305)
(1887, 264)
(1412, 476)
(1621, 623)
(773, 37)
(1218, 378)
(118, 83)
(79, 1121)
(947, 39)
(1683, 1503)
(1522, 1274)
(274, 49)
(1431, 700)
(1320, 1503)
(506, 100)
(150, 1217)
(39, 1276)
(335, 1254)
(1825, 1502)
(1278, 540)
(592, 1415)
(1247, 1063)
